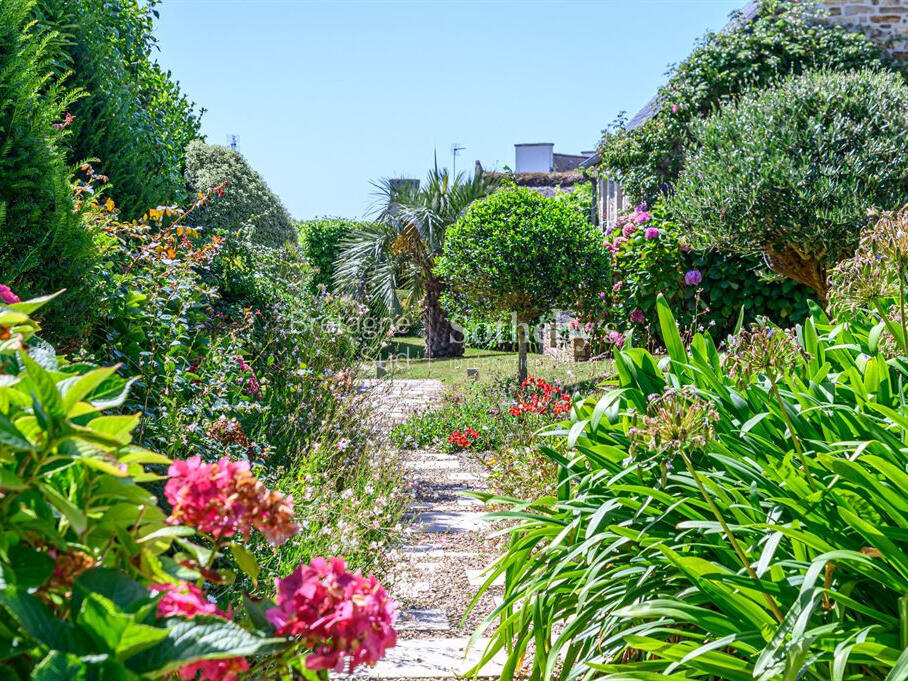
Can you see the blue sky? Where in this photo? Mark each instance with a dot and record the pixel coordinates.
(328, 96)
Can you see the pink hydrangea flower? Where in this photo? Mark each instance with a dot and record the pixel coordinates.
(184, 600)
(693, 277)
(637, 316)
(643, 217)
(617, 286)
(651, 233)
(7, 295)
(224, 499)
(616, 338)
(187, 600)
(345, 619)
(629, 229)
(674, 108)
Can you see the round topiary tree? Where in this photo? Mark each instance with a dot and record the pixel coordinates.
(791, 172)
(521, 253)
(247, 200)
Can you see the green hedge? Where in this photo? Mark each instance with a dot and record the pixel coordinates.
(42, 245)
(133, 116)
(321, 241)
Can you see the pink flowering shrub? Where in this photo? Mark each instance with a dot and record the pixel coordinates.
(651, 254)
(345, 619)
(224, 499)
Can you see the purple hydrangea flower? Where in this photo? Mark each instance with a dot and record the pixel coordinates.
(651, 233)
(637, 316)
(693, 277)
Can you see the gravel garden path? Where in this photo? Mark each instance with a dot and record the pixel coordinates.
(436, 572)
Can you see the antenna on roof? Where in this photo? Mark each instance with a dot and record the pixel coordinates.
(233, 141)
(455, 149)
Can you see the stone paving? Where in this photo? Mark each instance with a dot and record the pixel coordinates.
(437, 570)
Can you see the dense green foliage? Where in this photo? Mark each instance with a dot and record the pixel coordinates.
(133, 118)
(732, 518)
(247, 200)
(322, 242)
(706, 288)
(783, 39)
(42, 245)
(792, 171)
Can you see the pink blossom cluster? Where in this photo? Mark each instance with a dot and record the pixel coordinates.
(7, 296)
(626, 225)
(187, 600)
(224, 499)
(253, 387)
(345, 619)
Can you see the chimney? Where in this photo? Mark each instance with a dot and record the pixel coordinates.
(534, 158)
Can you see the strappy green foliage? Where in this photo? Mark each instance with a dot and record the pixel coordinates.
(627, 573)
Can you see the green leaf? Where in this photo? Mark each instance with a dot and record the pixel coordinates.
(30, 567)
(58, 666)
(670, 334)
(38, 621)
(45, 390)
(116, 631)
(201, 638)
(246, 561)
(113, 585)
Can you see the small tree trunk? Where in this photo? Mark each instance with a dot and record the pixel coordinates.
(807, 271)
(521, 351)
(442, 339)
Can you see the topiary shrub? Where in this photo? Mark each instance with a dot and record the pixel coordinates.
(518, 252)
(784, 38)
(321, 241)
(42, 245)
(791, 172)
(247, 199)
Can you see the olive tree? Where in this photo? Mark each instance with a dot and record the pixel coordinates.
(791, 172)
(520, 253)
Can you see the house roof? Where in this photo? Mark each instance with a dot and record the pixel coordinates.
(540, 180)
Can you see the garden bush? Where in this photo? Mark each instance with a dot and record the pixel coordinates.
(727, 517)
(232, 354)
(42, 245)
(99, 581)
(706, 288)
(248, 201)
(784, 38)
(321, 241)
(519, 252)
(132, 116)
(790, 172)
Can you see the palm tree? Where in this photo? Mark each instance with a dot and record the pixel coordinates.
(396, 254)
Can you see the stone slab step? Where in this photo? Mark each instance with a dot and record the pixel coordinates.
(448, 522)
(432, 464)
(435, 658)
(415, 619)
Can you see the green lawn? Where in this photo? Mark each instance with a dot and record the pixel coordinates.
(404, 358)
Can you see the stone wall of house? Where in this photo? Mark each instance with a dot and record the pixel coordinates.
(886, 21)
